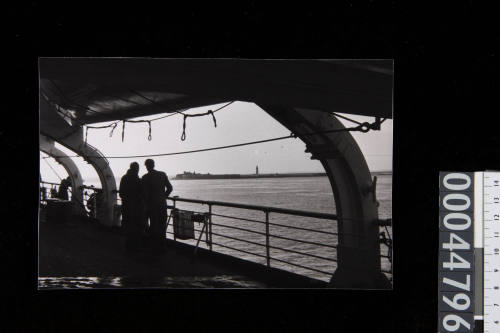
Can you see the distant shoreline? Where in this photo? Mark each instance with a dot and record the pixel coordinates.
(192, 176)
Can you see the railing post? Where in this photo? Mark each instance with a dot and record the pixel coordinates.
(268, 259)
(173, 225)
(210, 226)
(94, 199)
(199, 238)
(205, 226)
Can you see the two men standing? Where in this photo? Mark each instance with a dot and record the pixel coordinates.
(144, 199)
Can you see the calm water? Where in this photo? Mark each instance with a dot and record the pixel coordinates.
(301, 193)
(307, 193)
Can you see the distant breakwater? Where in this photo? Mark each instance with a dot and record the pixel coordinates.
(238, 176)
(188, 176)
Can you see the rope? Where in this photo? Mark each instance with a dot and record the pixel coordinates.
(123, 130)
(114, 126)
(364, 127)
(343, 117)
(180, 111)
(354, 121)
(183, 136)
(53, 170)
(104, 126)
(190, 151)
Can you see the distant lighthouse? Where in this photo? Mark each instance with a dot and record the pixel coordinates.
(256, 170)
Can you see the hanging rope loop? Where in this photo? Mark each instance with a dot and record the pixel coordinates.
(209, 112)
(290, 136)
(123, 130)
(183, 136)
(112, 129)
(213, 116)
(149, 136)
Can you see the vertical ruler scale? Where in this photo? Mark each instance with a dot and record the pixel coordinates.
(456, 252)
(491, 225)
(478, 250)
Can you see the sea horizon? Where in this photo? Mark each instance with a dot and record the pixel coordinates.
(94, 180)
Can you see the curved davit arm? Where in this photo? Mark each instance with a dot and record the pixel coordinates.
(47, 146)
(52, 127)
(358, 251)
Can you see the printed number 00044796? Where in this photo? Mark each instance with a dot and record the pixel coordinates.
(455, 202)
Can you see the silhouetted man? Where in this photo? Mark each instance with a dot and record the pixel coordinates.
(156, 190)
(132, 207)
(63, 188)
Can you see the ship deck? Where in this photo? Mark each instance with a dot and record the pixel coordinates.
(82, 250)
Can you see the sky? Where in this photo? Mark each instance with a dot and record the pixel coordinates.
(237, 123)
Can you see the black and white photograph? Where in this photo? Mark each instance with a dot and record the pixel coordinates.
(215, 173)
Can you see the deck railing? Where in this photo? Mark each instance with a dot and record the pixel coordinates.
(268, 239)
(320, 245)
(271, 243)
(49, 190)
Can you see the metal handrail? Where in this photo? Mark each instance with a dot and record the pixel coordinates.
(242, 229)
(267, 210)
(305, 229)
(50, 187)
(260, 208)
(268, 236)
(91, 187)
(303, 241)
(240, 250)
(238, 218)
(302, 253)
(301, 266)
(238, 239)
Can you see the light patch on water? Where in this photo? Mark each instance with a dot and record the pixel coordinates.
(221, 281)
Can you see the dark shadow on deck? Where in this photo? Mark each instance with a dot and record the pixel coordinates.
(82, 249)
